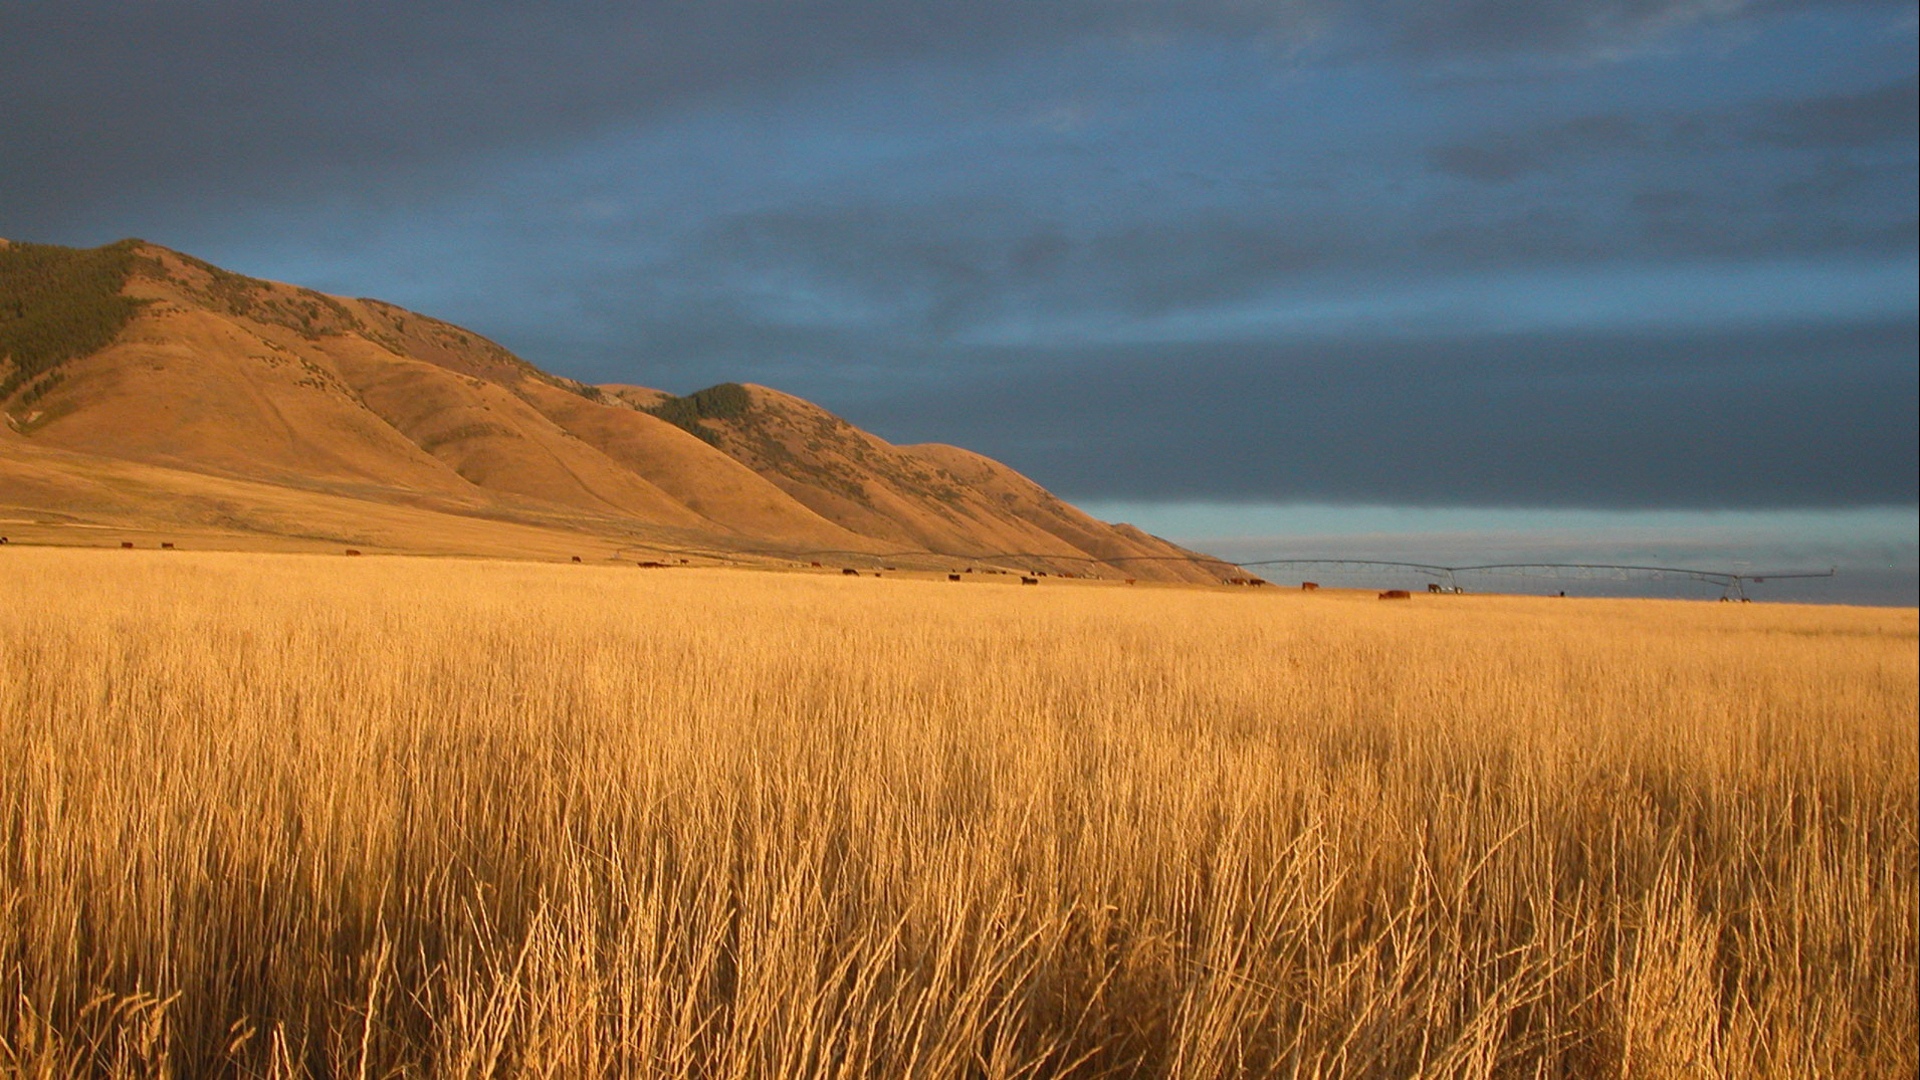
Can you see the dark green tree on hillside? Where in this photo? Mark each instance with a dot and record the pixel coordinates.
(727, 401)
(58, 304)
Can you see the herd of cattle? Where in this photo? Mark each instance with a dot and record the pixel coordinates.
(1025, 579)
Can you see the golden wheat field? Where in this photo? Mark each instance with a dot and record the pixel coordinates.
(278, 815)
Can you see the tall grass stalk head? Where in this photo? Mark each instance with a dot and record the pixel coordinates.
(302, 816)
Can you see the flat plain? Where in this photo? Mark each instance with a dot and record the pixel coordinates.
(299, 815)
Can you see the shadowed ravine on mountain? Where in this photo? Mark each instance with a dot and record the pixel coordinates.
(148, 392)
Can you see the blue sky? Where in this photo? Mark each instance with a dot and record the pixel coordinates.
(1226, 266)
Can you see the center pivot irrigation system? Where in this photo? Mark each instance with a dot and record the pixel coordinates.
(1731, 583)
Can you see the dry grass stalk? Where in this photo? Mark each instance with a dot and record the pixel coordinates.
(286, 816)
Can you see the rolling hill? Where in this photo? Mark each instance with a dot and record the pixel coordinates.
(146, 392)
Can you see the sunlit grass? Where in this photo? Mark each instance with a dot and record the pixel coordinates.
(279, 815)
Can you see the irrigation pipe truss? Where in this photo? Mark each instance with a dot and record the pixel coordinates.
(1732, 582)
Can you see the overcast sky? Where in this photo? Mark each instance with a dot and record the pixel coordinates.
(1625, 256)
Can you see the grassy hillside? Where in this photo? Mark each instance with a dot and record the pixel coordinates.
(727, 401)
(134, 353)
(293, 816)
(58, 304)
(937, 497)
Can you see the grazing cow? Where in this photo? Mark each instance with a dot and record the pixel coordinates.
(350, 551)
(653, 566)
(1256, 582)
(953, 577)
(850, 572)
(1396, 594)
(1434, 587)
(816, 564)
(1309, 586)
(166, 545)
(3, 539)
(126, 543)
(1129, 581)
(1029, 581)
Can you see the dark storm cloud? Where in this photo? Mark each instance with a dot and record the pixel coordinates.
(932, 271)
(1785, 178)
(1211, 258)
(1886, 114)
(1475, 26)
(953, 264)
(1600, 188)
(1482, 27)
(887, 262)
(1670, 223)
(1507, 156)
(104, 102)
(1815, 416)
(846, 198)
(1882, 115)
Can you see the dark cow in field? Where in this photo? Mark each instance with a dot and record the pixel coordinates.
(1396, 594)
(1434, 587)
(126, 543)
(166, 545)
(816, 564)
(350, 551)
(953, 577)
(850, 571)
(653, 566)
(1029, 581)
(576, 558)
(1309, 586)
